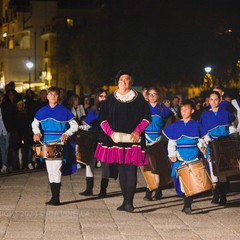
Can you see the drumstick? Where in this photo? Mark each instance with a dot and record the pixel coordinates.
(53, 141)
(41, 142)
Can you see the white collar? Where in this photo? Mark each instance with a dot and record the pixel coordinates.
(126, 97)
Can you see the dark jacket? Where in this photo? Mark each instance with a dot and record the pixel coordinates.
(9, 115)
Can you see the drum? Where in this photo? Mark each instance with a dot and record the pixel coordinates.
(86, 142)
(48, 151)
(158, 164)
(225, 156)
(194, 177)
(150, 179)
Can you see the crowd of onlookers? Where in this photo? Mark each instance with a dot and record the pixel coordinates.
(18, 110)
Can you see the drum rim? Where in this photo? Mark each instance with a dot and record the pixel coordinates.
(185, 164)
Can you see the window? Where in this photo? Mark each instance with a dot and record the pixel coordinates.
(70, 22)
(46, 46)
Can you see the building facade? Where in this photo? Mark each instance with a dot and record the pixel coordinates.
(27, 34)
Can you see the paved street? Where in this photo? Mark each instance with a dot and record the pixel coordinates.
(24, 215)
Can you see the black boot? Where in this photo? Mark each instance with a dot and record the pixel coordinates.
(121, 207)
(158, 194)
(187, 205)
(148, 195)
(223, 193)
(50, 202)
(89, 189)
(103, 190)
(124, 190)
(129, 199)
(55, 189)
(127, 204)
(215, 199)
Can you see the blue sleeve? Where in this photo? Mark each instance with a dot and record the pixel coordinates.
(166, 112)
(228, 106)
(231, 117)
(91, 116)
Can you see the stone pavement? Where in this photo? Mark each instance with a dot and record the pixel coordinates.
(24, 215)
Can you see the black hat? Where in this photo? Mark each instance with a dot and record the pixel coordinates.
(119, 74)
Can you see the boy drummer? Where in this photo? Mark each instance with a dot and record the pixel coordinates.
(184, 141)
(57, 124)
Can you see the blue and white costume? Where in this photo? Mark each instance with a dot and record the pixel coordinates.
(184, 143)
(154, 129)
(93, 126)
(52, 123)
(217, 125)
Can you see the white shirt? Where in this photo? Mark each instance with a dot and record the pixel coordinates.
(3, 130)
(79, 112)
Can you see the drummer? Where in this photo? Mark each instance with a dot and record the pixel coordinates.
(91, 124)
(183, 145)
(153, 131)
(57, 124)
(218, 123)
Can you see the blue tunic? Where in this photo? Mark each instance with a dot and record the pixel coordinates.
(216, 123)
(186, 136)
(154, 129)
(54, 122)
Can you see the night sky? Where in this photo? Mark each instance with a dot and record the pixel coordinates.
(170, 40)
(182, 37)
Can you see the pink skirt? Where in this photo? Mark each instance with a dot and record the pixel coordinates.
(132, 155)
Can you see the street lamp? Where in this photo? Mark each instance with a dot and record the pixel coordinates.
(208, 80)
(29, 66)
(208, 69)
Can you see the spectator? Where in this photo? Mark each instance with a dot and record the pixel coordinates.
(11, 87)
(144, 93)
(86, 104)
(62, 95)
(42, 101)
(24, 137)
(7, 117)
(198, 111)
(30, 104)
(175, 107)
(77, 109)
